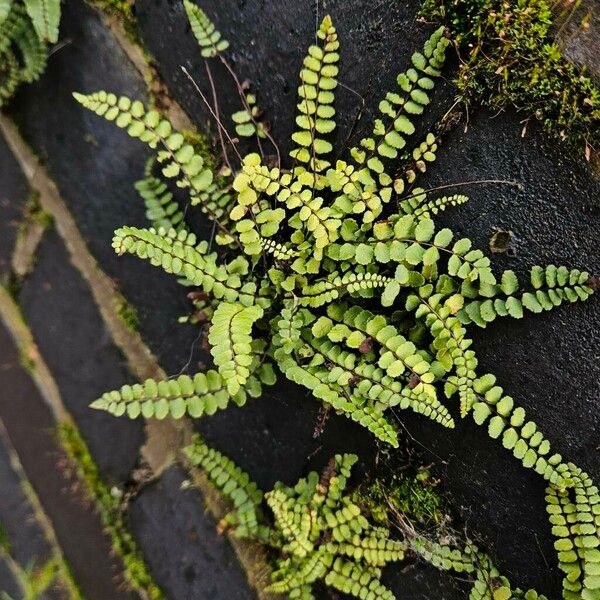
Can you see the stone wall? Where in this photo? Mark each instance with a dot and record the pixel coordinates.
(70, 302)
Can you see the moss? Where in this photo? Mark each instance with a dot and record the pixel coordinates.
(127, 313)
(413, 495)
(124, 10)
(509, 57)
(35, 580)
(113, 514)
(34, 213)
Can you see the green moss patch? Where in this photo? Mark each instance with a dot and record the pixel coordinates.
(112, 511)
(509, 57)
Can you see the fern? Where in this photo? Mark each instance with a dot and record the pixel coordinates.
(574, 516)
(162, 210)
(231, 344)
(472, 563)
(316, 93)
(318, 533)
(45, 16)
(207, 36)
(358, 295)
(244, 494)
(25, 27)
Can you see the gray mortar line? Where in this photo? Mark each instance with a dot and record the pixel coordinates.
(138, 59)
(12, 318)
(164, 439)
(40, 516)
(26, 246)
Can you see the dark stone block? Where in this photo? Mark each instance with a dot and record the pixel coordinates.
(547, 362)
(13, 195)
(79, 351)
(25, 535)
(424, 582)
(186, 555)
(95, 165)
(268, 41)
(32, 432)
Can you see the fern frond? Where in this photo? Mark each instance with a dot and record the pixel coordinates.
(363, 382)
(235, 484)
(418, 158)
(419, 205)
(22, 54)
(316, 91)
(350, 579)
(45, 16)
(33, 52)
(179, 160)
(449, 343)
(521, 437)
(328, 290)
(5, 7)
(203, 394)
(231, 342)
(208, 37)
(575, 518)
(325, 391)
(162, 210)
(10, 75)
(178, 253)
(390, 132)
(551, 286)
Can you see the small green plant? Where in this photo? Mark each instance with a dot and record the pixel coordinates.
(509, 57)
(112, 512)
(26, 27)
(341, 280)
(318, 531)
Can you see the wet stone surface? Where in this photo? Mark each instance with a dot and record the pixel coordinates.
(24, 539)
(78, 349)
(547, 362)
(95, 165)
(76, 524)
(14, 191)
(179, 540)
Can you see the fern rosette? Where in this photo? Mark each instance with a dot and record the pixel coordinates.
(334, 273)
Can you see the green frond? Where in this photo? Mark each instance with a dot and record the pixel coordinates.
(508, 422)
(162, 210)
(234, 483)
(417, 159)
(179, 253)
(326, 291)
(33, 53)
(45, 16)
(231, 342)
(248, 120)
(179, 160)
(316, 92)
(574, 516)
(550, 287)
(449, 343)
(397, 109)
(208, 37)
(203, 394)
(23, 54)
(419, 205)
(5, 7)
(322, 389)
(350, 579)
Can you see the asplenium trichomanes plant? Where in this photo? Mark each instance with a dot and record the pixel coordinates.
(341, 280)
(318, 531)
(26, 26)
